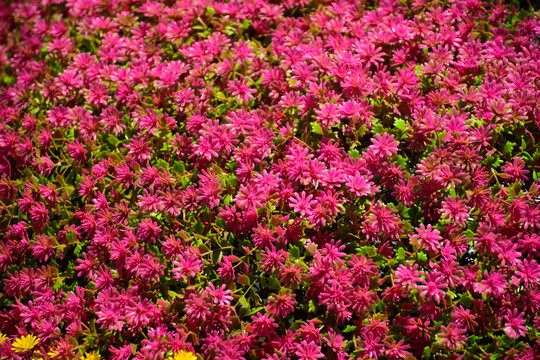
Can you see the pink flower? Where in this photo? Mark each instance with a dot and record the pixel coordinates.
(139, 149)
(241, 89)
(281, 304)
(432, 288)
(263, 325)
(456, 210)
(513, 326)
(263, 237)
(529, 272)
(328, 115)
(383, 146)
(187, 266)
(494, 283)
(97, 94)
(220, 295)
(452, 336)
(250, 197)
(308, 351)
(360, 185)
(408, 276)
(463, 317)
(39, 215)
(110, 315)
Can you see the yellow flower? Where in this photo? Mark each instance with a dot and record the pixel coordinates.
(2, 338)
(91, 356)
(25, 343)
(183, 355)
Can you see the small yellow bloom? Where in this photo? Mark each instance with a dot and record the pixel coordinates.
(25, 343)
(91, 356)
(183, 355)
(2, 338)
(52, 353)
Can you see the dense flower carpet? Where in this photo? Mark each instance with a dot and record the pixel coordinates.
(262, 179)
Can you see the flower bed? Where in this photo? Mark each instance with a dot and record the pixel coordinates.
(269, 180)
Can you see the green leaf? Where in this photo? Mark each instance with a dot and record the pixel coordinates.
(113, 140)
(368, 251)
(349, 328)
(311, 306)
(354, 153)
(400, 124)
(316, 128)
(199, 227)
(243, 302)
(179, 167)
(71, 237)
(274, 283)
(58, 284)
(162, 163)
(508, 147)
(294, 251)
(77, 250)
(465, 300)
(427, 352)
(422, 256)
(401, 254)
(174, 295)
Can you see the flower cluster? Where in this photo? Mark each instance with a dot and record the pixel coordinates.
(257, 179)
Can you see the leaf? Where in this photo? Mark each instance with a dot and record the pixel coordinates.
(422, 256)
(162, 163)
(77, 250)
(174, 295)
(58, 284)
(316, 128)
(243, 279)
(368, 251)
(427, 352)
(400, 124)
(242, 301)
(113, 140)
(199, 227)
(354, 153)
(294, 251)
(179, 167)
(401, 254)
(274, 283)
(349, 328)
(508, 147)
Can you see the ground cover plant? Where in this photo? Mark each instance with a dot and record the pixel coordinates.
(272, 180)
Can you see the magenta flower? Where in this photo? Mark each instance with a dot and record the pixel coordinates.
(452, 336)
(281, 304)
(529, 272)
(39, 215)
(302, 203)
(494, 283)
(241, 89)
(513, 325)
(456, 210)
(263, 325)
(383, 146)
(308, 351)
(432, 288)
